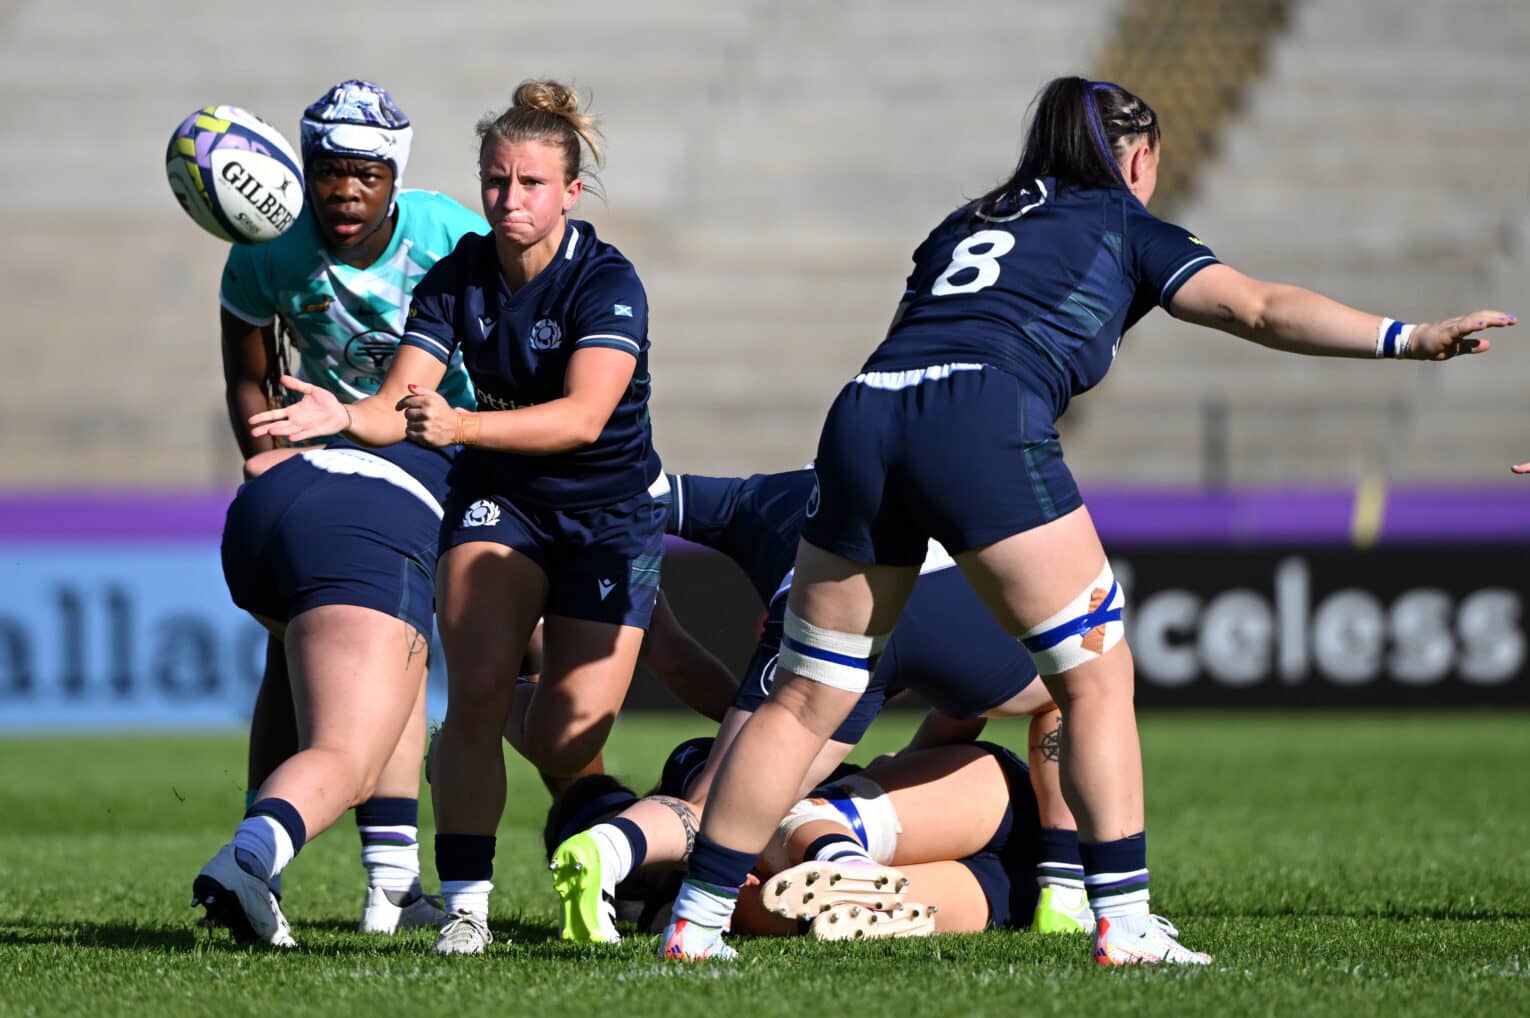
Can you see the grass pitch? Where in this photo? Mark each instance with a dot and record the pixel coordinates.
(1341, 864)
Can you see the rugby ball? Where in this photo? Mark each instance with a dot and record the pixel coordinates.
(235, 175)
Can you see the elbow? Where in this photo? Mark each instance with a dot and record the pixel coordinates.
(584, 429)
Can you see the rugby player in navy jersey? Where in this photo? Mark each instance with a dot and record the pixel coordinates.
(334, 551)
(946, 647)
(550, 511)
(1017, 302)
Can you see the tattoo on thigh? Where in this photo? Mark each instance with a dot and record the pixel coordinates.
(417, 645)
(687, 814)
(1051, 744)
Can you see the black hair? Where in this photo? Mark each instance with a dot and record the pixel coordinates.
(1077, 127)
(579, 807)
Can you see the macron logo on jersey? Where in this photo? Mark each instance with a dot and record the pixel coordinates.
(606, 586)
(623, 310)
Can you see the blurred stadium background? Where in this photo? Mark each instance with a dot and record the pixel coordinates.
(771, 167)
(1293, 532)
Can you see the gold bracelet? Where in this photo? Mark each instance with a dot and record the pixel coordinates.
(348, 422)
(467, 428)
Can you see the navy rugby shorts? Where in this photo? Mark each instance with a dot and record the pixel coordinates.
(948, 648)
(602, 563)
(965, 454)
(1005, 868)
(299, 537)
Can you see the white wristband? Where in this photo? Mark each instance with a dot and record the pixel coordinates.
(1392, 338)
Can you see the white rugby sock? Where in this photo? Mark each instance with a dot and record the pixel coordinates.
(467, 895)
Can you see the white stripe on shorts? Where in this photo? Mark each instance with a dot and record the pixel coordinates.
(911, 377)
(355, 461)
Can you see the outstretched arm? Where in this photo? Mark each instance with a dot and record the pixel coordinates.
(374, 421)
(1301, 321)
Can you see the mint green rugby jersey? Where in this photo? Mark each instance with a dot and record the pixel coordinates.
(346, 322)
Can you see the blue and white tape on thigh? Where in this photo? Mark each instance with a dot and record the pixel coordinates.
(858, 803)
(841, 660)
(1088, 627)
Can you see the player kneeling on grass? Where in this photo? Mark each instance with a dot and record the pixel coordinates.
(960, 823)
(334, 551)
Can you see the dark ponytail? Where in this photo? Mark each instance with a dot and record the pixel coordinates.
(1078, 128)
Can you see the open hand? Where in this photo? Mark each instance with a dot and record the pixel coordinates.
(1440, 341)
(318, 413)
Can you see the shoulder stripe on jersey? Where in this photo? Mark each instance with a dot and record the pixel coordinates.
(246, 319)
(1180, 272)
(677, 507)
(446, 351)
(612, 340)
(573, 242)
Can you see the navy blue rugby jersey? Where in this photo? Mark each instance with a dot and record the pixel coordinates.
(756, 521)
(516, 348)
(1043, 289)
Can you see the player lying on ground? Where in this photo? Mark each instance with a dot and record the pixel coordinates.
(947, 648)
(960, 823)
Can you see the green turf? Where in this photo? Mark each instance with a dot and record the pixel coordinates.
(1345, 864)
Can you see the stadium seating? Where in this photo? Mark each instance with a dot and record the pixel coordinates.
(772, 165)
(1365, 166)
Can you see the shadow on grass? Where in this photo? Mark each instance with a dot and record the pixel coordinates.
(324, 936)
(516, 929)
(102, 935)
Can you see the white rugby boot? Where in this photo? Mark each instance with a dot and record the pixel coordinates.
(1114, 944)
(464, 933)
(683, 940)
(809, 888)
(387, 912)
(845, 921)
(240, 901)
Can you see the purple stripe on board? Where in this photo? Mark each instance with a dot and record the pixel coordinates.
(1129, 517)
(1126, 517)
(113, 515)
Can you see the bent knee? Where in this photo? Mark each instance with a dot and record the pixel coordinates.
(350, 771)
(564, 753)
